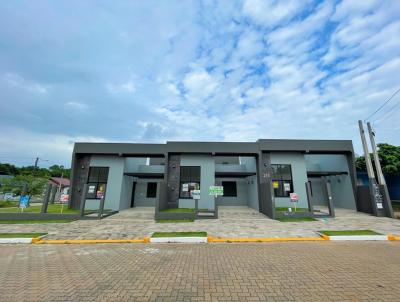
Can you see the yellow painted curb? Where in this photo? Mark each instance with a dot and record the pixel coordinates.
(214, 239)
(34, 240)
(89, 241)
(393, 238)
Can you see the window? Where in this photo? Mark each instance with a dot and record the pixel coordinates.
(282, 181)
(189, 181)
(230, 189)
(98, 177)
(151, 190)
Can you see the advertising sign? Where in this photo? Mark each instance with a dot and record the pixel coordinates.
(195, 194)
(294, 197)
(99, 194)
(24, 201)
(216, 190)
(286, 187)
(91, 189)
(64, 198)
(275, 184)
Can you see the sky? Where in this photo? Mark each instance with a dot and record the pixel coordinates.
(157, 71)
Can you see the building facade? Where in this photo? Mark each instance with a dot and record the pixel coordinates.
(260, 175)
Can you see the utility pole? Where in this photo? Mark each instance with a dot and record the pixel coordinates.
(381, 178)
(376, 197)
(36, 162)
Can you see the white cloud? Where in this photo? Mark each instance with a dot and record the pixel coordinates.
(126, 87)
(77, 105)
(199, 84)
(16, 81)
(54, 148)
(271, 12)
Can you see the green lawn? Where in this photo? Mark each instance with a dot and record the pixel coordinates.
(8, 203)
(35, 221)
(173, 220)
(51, 208)
(21, 235)
(179, 234)
(286, 209)
(295, 219)
(178, 210)
(349, 232)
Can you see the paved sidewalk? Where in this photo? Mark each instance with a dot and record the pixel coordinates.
(314, 271)
(232, 222)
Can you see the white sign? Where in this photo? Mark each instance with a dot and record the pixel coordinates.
(379, 205)
(185, 187)
(286, 187)
(294, 197)
(216, 190)
(91, 189)
(195, 194)
(64, 198)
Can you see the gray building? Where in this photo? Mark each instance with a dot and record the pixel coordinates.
(261, 175)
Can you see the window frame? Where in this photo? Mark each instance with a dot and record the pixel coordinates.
(97, 183)
(192, 180)
(153, 191)
(235, 188)
(280, 192)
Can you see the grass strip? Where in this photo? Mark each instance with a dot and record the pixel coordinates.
(295, 219)
(179, 234)
(36, 221)
(349, 233)
(178, 210)
(173, 220)
(21, 235)
(51, 208)
(286, 209)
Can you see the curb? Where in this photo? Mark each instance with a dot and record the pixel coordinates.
(209, 239)
(90, 241)
(179, 240)
(360, 238)
(282, 239)
(16, 240)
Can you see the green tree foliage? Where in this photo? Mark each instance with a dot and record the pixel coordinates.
(34, 185)
(53, 171)
(389, 156)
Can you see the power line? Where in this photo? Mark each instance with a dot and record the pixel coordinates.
(388, 113)
(383, 105)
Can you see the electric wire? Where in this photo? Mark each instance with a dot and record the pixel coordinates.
(383, 105)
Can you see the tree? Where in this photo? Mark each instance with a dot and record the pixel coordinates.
(389, 157)
(34, 185)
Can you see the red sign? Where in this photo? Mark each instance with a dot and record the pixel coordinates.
(294, 197)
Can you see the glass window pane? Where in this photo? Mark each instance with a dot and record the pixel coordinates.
(103, 174)
(93, 174)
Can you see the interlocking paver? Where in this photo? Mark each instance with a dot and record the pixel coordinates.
(301, 271)
(232, 222)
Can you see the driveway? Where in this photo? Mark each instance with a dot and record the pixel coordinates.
(232, 222)
(301, 271)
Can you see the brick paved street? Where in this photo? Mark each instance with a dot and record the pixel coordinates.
(307, 271)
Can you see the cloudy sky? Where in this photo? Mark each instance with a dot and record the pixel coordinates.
(151, 71)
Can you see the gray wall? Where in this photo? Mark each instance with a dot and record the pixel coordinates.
(207, 179)
(114, 184)
(299, 176)
(241, 188)
(141, 191)
(252, 192)
(342, 190)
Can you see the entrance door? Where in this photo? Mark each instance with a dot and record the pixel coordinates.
(320, 195)
(133, 194)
